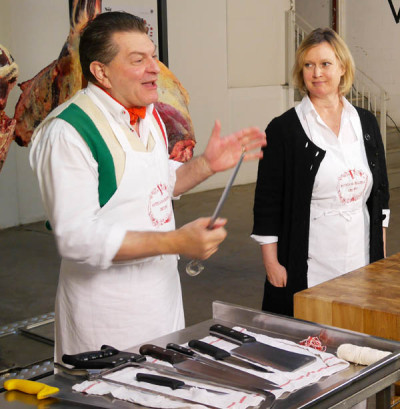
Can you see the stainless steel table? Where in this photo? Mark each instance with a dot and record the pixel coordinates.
(341, 390)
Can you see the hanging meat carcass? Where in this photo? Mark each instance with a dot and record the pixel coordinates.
(8, 79)
(63, 77)
(58, 81)
(173, 101)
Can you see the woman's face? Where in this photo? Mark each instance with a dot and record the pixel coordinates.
(322, 71)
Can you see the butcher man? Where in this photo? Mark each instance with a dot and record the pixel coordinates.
(106, 181)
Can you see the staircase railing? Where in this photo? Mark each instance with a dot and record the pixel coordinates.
(365, 92)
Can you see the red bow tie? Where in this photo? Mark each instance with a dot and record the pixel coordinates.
(136, 113)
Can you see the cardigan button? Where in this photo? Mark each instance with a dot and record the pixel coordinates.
(372, 164)
(367, 137)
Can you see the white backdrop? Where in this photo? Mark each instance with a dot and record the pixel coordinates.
(199, 32)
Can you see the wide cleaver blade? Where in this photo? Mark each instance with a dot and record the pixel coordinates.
(258, 352)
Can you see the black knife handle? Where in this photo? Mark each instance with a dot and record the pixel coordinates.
(230, 334)
(162, 354)
(107, 357)
(160, 380)
(208, 349)
(181, 349)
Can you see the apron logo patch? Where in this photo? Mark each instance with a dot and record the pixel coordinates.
(160, 206)
(351, 185)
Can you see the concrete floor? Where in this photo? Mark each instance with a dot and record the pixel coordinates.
(29, 261)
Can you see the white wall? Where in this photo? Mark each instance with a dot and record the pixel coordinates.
(316, 12)
(229, 79)
(229, 54)
(238, 82)
(374, 39)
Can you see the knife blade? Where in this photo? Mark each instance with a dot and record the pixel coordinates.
(93, 374)
(225, 376)
(92, 364)
(261, 353)
(194, 355)
(133, 360)
(153, 392)
(171, 382)
(221, 355)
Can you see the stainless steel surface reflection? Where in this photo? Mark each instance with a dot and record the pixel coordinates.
(341, 390)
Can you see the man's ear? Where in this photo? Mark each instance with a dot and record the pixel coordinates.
(99, 71)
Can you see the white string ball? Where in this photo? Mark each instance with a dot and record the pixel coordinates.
(360, 355)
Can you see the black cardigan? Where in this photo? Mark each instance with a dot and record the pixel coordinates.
(282, 201)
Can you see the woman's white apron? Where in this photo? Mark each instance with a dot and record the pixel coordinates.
(339, 219)
(129, 303)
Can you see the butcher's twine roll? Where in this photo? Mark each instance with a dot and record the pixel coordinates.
(360, 355)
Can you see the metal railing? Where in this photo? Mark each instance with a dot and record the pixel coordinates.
(365, 92)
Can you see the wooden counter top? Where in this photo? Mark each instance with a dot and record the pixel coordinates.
(365, 300)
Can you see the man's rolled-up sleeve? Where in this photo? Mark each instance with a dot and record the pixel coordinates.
(68, 180)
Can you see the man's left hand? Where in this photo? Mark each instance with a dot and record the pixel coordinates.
(223, 153)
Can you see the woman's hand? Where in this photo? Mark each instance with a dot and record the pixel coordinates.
(276, 273)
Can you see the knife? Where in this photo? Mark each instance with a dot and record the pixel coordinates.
(101, 376)
(261, 353)
(200, 370)
(221, 355)
(92, 366)
(93, 369)
(135, 360)
(40, 395)
(153, 392)
(170, 382)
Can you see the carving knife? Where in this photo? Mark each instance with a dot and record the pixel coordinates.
(200, 370)
(261, 353)
(221, 355)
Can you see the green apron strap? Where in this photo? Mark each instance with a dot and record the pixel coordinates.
(89, 132)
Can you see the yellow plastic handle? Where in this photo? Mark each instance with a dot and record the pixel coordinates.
(41, 390)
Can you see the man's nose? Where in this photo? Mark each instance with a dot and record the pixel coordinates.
(153, 66)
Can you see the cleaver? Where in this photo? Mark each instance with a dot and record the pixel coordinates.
(260, 353)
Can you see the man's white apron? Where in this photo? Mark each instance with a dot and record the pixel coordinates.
(133, 302)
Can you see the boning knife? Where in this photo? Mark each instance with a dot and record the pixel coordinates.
(170, 382)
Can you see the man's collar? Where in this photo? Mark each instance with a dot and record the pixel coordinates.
(113, 106)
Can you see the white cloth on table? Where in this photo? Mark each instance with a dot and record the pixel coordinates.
(326, 364)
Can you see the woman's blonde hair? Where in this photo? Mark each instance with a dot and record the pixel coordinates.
(342, 52)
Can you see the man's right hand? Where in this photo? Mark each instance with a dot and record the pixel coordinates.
(198, 242)
(193, 240)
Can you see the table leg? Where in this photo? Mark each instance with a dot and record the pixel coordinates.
(383, 398)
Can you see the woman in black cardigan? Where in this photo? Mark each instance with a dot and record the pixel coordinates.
(322, 189)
